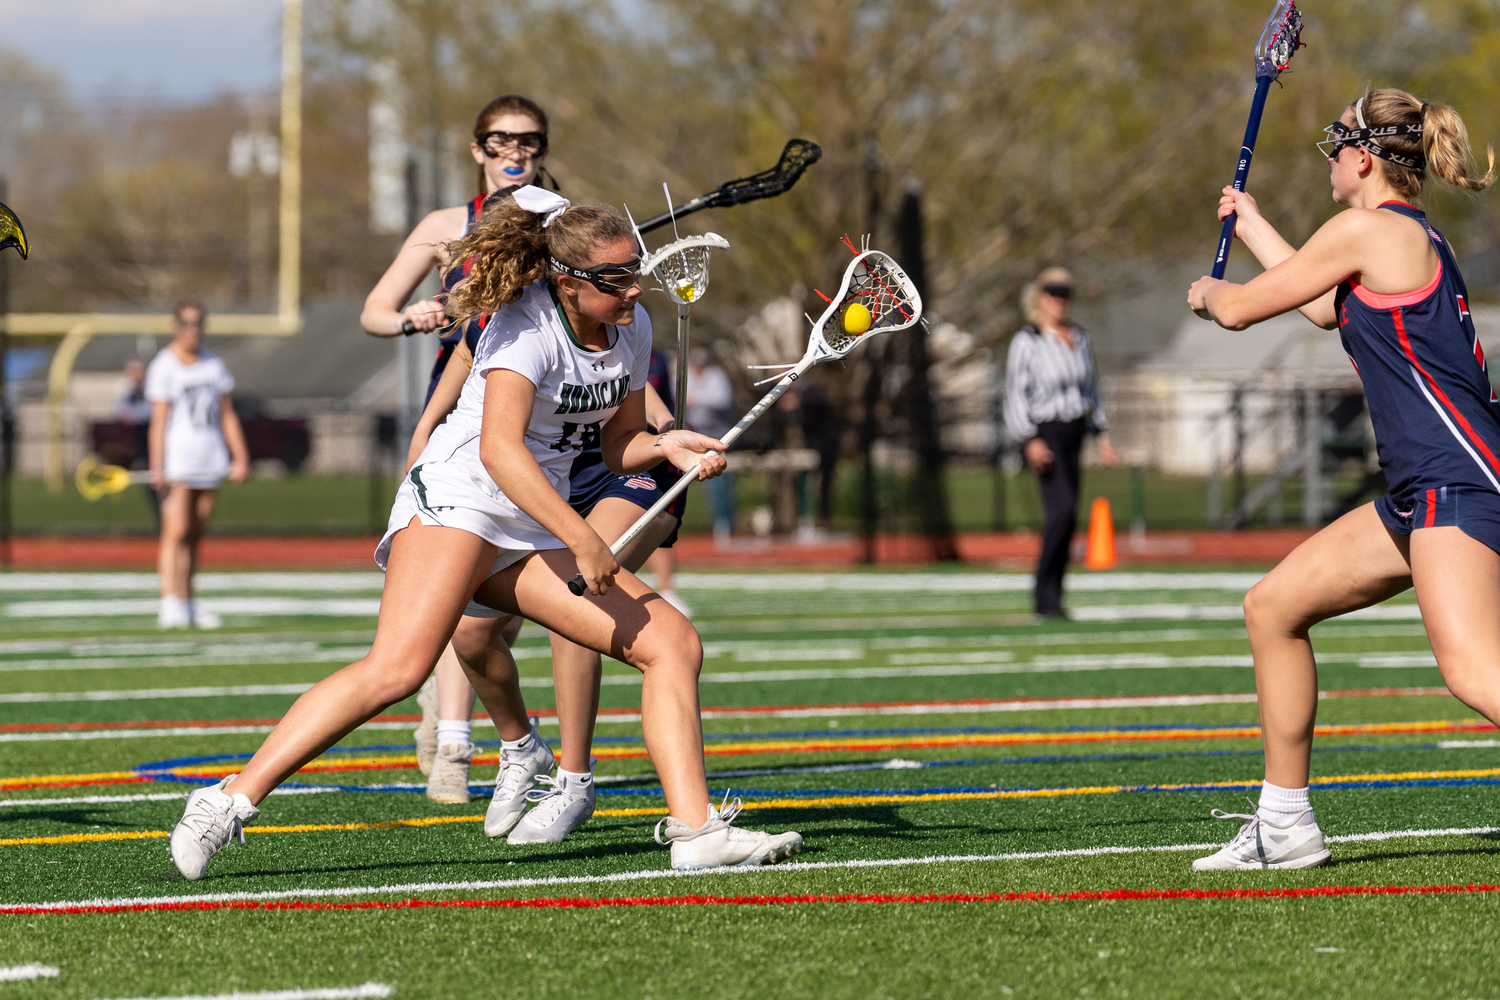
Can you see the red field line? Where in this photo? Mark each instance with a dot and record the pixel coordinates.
(575, 902)
(1112, 702)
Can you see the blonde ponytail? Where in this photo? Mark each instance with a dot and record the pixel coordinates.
(510, 250)
(1445, 142)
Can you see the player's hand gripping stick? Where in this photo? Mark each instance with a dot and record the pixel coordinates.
(1278, 42)
(876, 297)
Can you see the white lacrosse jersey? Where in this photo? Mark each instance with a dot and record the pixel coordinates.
(577, 391)
(194, 449)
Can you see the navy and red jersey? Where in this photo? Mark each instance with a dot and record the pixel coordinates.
(1436, 416)
(663, 380)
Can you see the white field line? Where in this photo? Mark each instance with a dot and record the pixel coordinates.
(248, 655)
(308, 583)
(796, 866)
(1220, 612)
(329, 993)
(84, 800)
(348, 607)
(19, 973)
(71, 736)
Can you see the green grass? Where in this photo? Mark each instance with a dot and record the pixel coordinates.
(768, 647)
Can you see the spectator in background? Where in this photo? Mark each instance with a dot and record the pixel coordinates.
(134, 411)
(710, 410)
(1051, 402)
(195, 441)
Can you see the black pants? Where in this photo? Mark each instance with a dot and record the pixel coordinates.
(1060, 501)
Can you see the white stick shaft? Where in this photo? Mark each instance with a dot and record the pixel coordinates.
(684, 319)
(691, 475)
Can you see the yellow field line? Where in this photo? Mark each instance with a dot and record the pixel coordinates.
(793, 803)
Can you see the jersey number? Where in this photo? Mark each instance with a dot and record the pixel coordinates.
(587, 440)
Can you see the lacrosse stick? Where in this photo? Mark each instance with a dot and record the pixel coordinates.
(96, 480)
(681, 271)
(798, 155)
(1278, 42)
(876, 297)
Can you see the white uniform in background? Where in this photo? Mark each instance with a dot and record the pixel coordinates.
(578, 390)
(194, 450)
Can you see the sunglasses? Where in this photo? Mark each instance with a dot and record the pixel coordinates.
(494, 143)
(611, 279)
(1059, 291)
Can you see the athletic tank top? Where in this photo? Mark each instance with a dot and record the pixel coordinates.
(1435, 414)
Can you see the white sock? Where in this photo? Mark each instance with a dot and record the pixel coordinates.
(453, 731)
(524, 743)
(574, 778)
(173, 601)
(1284, 806)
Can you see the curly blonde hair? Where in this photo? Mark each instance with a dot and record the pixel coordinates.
(509, 250)
(1444, 142)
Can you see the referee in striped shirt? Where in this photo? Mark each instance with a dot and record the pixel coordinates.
(1051, 402)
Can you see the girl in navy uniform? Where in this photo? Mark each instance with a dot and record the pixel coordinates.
(510, 148)
(1388, 281)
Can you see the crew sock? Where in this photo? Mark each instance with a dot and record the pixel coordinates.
(1282, 807)
(451, 731)
(574, 780)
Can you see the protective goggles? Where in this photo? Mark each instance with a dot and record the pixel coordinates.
(494, 143)
(1341, 135)
(611, 279)
(1059, 291)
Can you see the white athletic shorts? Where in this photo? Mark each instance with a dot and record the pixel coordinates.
(449, 499)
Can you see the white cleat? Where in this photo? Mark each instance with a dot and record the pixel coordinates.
(211, 819)
(426, 733)
(561, 805)
(1261, 845)
(716, 844)
(203, 618)
(449, 781)
(173, 613)
(520, 770)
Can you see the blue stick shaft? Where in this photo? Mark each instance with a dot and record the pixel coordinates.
(1247, 150)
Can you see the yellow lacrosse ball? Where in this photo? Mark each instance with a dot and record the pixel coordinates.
(856, 319)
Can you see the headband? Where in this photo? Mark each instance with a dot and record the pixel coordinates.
(540, 201)
(1365, 137)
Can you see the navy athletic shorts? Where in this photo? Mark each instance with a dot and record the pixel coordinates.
(594, 483)
(1471, 509)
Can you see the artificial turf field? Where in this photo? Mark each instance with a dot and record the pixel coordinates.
(991, 806)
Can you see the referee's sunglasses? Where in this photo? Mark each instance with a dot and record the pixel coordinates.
(495, 143)
(609, 278)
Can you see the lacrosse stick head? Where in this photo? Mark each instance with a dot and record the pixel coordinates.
(1279, 39)
(796, 157)
(681, 267)
(876, 297)
(96, 481)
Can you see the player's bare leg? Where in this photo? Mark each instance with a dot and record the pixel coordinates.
(1351, 564)
(1457, 580)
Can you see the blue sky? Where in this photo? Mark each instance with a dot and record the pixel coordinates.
(178, 50)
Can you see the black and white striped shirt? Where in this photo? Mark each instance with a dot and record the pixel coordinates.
(1047, 380)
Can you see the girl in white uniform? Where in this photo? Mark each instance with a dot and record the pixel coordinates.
(482, 516)
(195, 440)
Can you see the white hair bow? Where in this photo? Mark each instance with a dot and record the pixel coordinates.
(540, 201)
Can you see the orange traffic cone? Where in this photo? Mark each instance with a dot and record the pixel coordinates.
(1101, 551)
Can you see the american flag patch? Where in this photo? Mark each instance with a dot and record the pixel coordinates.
(640, 483)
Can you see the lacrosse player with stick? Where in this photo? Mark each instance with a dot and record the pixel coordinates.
(510, 148)
(1389, 282)
(610, 503)
(481, 516)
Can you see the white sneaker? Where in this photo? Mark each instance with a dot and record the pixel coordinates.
(426, 733)
(716, 843)
(1261, 845)
(202, 618)
(211, 819)
(563, 805)
(520, 770)
(670, 596)
(449, 781)
(173, 613)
